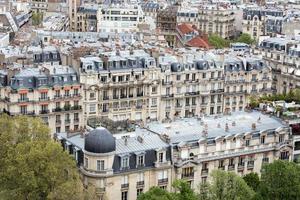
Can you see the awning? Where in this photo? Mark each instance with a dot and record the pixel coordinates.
(43, 90)
(23, 91)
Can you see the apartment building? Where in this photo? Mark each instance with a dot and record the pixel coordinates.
(282, 55)
(87, 18)
(215, 19)
(187, 14)
(39, 6)
(119, 18)
(190, 87)
(166, 23)
(51, 92)
(259, 21)
(120, 85)
(123, 165)
(245, 77)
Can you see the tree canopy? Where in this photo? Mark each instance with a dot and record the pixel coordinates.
(245, 38)
(280, 180)
(32, 165)
(252, 180)
(218, 42)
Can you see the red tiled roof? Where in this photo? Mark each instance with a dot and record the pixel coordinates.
(185, 28)
(198, 42)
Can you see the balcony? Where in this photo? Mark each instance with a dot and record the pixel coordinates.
(105, 98)
(123, 96)
(188, 176)
(57, 109)
(163, 181)
(253, 91)
(44, 111)
(231, 167)
(76, 120)
(76, 107)
(57, 122)
(139, 107)
(100, 190)
(23, 99)
(140, 184)
(57, 96)
(167, 96)
(67, 121)
(265, 160)
(167, 82)
(204, 172)
(125, 186)
(67, 107)
(241, 166)
(250, 164)
(44, 99)
(140, 94)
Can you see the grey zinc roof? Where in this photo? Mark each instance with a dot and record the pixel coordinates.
(190, 129)
(150, 141)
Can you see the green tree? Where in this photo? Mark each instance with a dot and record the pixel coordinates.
(37, 18)
(280, 180)
(228, 186)
(252, 180)
(183, 191)
(32, 165)
(245, 38)
(217, 41)
(156, 193)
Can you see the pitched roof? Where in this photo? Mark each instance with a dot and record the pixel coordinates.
(198, 42)
(185, 28)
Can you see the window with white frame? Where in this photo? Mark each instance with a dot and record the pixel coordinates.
(125, 162)
(100, 165)
(162, 174)
(140, 160)
(140, 177)
(161, 157)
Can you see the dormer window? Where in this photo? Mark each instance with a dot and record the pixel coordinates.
(161, 157)
(125, 162)
(262, 139)
(141, 160)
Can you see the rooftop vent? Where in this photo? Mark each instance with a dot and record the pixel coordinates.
(219, 125)
(140, 139)
(233, 123)
(258, 120)
(253, 126)
(204, 133)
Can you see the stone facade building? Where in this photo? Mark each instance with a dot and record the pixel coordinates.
(124, 165)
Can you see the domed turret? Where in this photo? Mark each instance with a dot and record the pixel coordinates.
(99, 140)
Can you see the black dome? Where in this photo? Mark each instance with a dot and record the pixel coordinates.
(99, 140)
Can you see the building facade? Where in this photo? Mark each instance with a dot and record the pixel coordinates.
(124, 165)
(119, 18)
(51, 92)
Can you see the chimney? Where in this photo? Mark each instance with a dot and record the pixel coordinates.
(226, 127)
(233, 123)
(253, 126)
